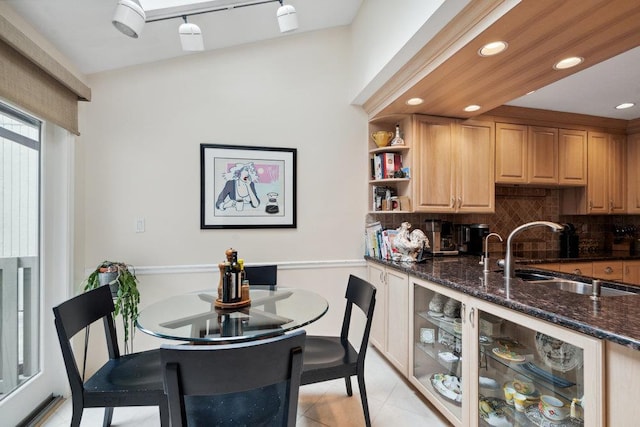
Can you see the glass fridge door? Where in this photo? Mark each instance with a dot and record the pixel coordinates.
(437, 347)
(526, 377)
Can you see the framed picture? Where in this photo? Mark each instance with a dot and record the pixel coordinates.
(247, 187)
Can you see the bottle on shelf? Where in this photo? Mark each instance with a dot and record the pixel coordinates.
(397, 139)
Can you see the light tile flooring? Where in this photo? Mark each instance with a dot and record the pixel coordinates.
(392, 402)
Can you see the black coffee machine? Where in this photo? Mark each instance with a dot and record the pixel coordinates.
(569, 242)
(469, 237)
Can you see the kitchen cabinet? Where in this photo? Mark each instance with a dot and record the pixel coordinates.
(455, 162)
(631, 272)
(572, 157)
(528, 154)
(390, 326)
(606, 178)
(621, 393)
(502, 348)
(608, 270)
(633, 174)
(540, 155)
(579, 268)
(400, 187)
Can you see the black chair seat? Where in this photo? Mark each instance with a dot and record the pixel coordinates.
(327, 352)
(130, 380)
(133, 372)
(331, 357)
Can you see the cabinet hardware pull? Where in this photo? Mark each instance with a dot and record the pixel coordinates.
(382, 277)
(590, 205)
(471, 312)
(453, 202)
(577, 271)
(459, 202)
(608, 270)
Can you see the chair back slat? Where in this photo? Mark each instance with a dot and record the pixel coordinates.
(262, 276)
(363, 295)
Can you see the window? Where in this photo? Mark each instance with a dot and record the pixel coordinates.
(20, 137)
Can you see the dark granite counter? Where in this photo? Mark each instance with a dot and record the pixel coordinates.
(616, 319)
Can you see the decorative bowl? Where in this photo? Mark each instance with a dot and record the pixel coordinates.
(523, 385)
(553, 408)
(382, 138)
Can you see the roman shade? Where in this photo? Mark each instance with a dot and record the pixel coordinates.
(32, 79)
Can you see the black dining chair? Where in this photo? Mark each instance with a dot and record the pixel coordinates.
(124, 380)
(329, 357)
(262, 276)
(253, 383)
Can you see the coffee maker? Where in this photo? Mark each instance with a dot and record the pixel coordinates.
(440, 235)
(477, 233)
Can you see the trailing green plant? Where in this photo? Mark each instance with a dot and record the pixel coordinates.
(124, 286)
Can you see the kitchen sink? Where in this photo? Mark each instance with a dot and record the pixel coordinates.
(579, 287)
(567, 285)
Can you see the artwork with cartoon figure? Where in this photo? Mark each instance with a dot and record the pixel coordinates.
(247, 187)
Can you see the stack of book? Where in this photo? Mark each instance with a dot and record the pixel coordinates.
(379, 242)
(385, 165)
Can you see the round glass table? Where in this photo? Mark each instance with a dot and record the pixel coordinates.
(193, 316)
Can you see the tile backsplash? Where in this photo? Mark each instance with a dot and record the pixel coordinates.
(516, 206)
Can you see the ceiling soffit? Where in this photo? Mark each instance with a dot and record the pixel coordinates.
(539, 33)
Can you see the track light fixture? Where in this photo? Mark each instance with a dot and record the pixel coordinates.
(190, 36)
(287, 18)
(129, 18)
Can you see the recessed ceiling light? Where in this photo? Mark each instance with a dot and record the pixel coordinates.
(414, 101)
(493, 48)
(472, 107)
(568, 63)
(625, 105)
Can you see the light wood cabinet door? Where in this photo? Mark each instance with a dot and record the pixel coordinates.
(617, 174)
(511, 153)
(397, 345)
(434, 181)
(542, 155)
(377, 336)
(597, 193)
(631, 272)
(633, 174)
(579, 268)
(475, 167)
(572, 157)
(607, 270)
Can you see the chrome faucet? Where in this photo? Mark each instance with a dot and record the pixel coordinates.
(509, 271)
(485, 258)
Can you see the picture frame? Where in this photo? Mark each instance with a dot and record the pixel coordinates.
(247, 187)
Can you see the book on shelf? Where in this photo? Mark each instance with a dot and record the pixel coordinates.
(385, 165)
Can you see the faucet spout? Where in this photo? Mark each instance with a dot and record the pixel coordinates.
(485, 259)
(509, 270)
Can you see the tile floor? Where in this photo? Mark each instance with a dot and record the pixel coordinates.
(392, 402)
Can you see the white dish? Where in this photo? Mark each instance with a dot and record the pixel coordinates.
(558, 354)
(448, 386)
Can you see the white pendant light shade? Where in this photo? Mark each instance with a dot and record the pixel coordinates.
(287, 18)
(129, 18)
(191, 37)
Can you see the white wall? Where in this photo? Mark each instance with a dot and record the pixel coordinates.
(139, 155)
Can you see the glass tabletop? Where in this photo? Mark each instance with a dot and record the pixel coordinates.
(194, 317)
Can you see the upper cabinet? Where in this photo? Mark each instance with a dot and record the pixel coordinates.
(454, 163)
(606, 188)
(539, 155)
(633, 174)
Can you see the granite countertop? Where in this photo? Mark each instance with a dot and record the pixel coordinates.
(616, 319)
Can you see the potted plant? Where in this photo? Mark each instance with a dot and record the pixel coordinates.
(123, 282)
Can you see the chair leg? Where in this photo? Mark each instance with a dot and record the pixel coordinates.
(108, 416)
(76, 414)
(164, 413)
(363, 398)
(347, 382)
